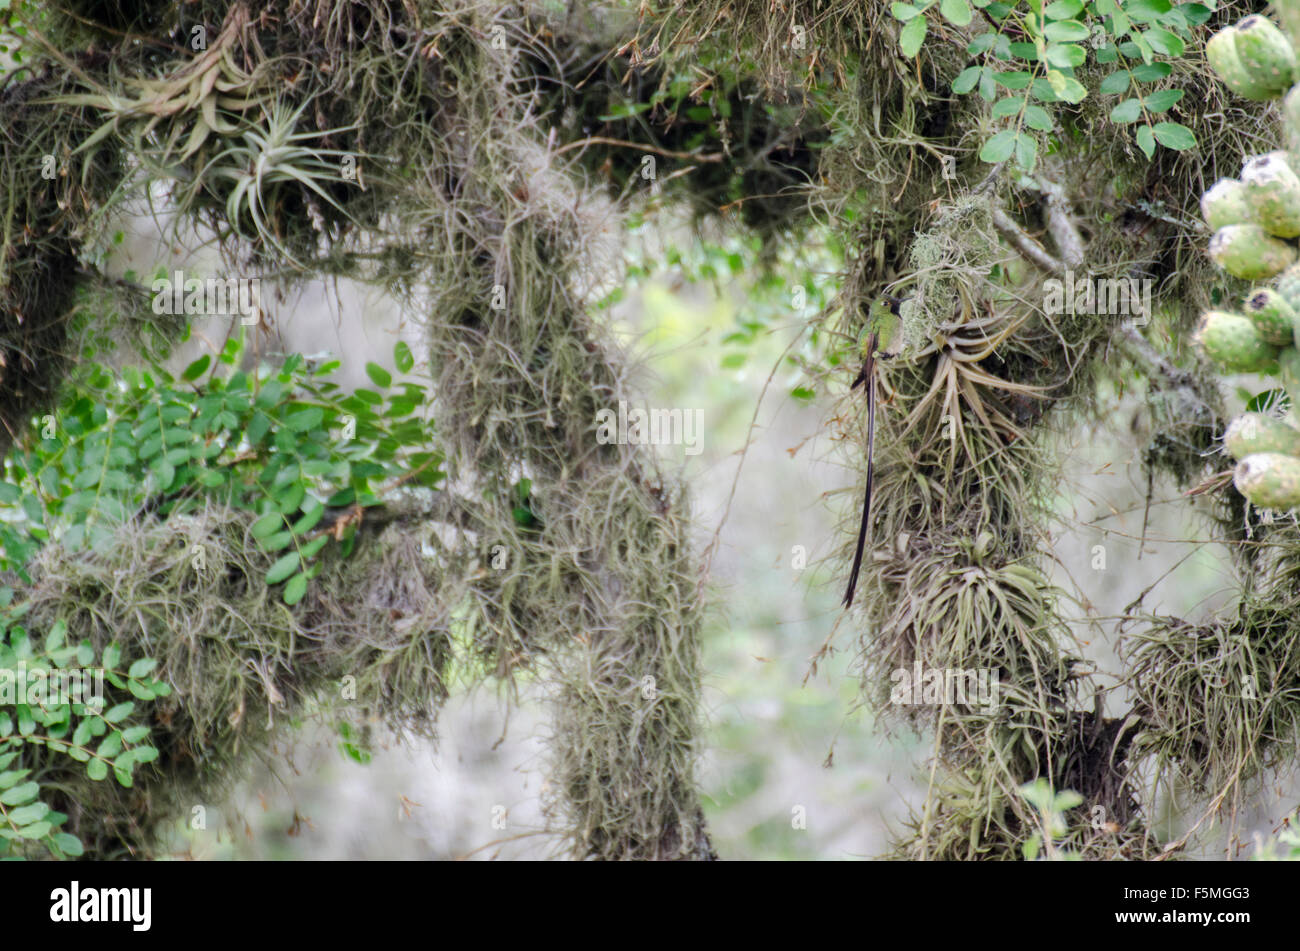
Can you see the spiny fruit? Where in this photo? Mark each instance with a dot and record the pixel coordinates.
(1251, 433)
(1288, 285)
(1269, 479)
(1225, 204)
(1232, 341)
(1265, 52)
(1272, 316)
(1288, 14)
(1291, 108)
(1273, 194)
(1221, 51)
(1288, 367)
(1250, 252)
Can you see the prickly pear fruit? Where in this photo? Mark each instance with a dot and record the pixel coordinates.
(1258, 432)
(1221, 51)
(1269, 479)
(1288, 285)
(1273, 194)
(1288, 14)
(1265, 52)
(1288, 366)
(1250, 252)
(1232, 341)
(1225, 204)
(1272, 316)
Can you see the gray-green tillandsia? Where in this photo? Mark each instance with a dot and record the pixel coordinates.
(880, 337)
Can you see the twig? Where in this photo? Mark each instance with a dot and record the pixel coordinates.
(1060, 224)
(1029, 249)
(666, 153)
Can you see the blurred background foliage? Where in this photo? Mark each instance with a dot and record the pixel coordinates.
(711, 318)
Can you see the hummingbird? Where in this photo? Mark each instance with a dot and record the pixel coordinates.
(879, 339)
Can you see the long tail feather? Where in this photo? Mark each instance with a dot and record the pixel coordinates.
(868, 378)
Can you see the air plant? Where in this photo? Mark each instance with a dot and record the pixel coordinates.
(265, 155)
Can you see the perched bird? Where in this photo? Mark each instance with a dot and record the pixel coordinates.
(879, 339)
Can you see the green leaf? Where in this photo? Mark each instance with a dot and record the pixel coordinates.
(1036, 117)
(277, 541)
(999, 148)
(1032, 846)
(111, 745)
(119, 712)
(282, 568)
(379, 376)
(258, 427)
(312, 547)
(1164, 42)
(20, 795)
(270, 394)
(1116, 83)
(956, 12)
(1066, 87)
(1026, 151)
(26, 815)
(1130, 110)
(1163, 100)
(967, 79)
(295, 589)
(96, 769)
(912, 36)
(142, 667)
(1009, 106)
(54, 640)
(112, 654)
(1173, 135)
(1147, 10)
(1038, 794)
(402, 357)
(1017, 79)
(37, 830)
(1067, 799)
(69, 844)
(1066, 31)
(313, 511)
(210, 478)
(1150, 72)
(195, 369)
(305, 420)
(1063, 9)
(1065, 55)
(267, 525)
(903, 11)
(290, 497)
